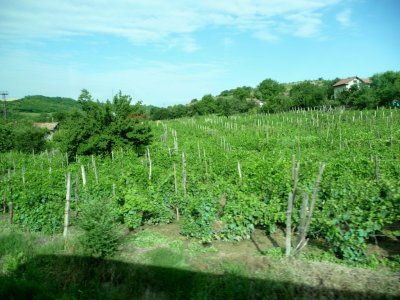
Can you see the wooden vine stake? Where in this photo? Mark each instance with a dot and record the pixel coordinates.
(76, 191)
(67, 204)
(307, 217)
(83, 175)
(8, 188)
(149, 160)
(205, 161)
(184, 173)
(289, 224)
(376, 160)
(23, 176)
(175, 135)
(175, 182)
(239, 172)
(95, 169)
(198, 150)
(176, 193)
(5, 195)
(291, 200)
(11, 212)
(301, 242)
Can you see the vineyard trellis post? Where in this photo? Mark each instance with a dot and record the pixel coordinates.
(83, 175)
(11, 212)
(302, 239)
(67, 205)
(149, 160)
(95, 169)
(184, 173)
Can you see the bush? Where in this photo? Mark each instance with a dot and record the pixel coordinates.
(100, 237)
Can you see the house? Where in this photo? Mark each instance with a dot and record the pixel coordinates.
(51, 127)
(345, 84)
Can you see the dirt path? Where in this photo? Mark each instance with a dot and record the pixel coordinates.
(259, 257)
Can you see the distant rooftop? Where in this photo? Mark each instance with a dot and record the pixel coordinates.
(50, 126)
(347, 80)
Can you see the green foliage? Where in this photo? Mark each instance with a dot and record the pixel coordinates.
(200, 215)
(386, 87)
(307, 94)
(277, 97)
(97, 219)
(21, 136)
(6, 143)
(40, 108)
(269, 88)
(42, 104)
(100, 128)
(356, 199)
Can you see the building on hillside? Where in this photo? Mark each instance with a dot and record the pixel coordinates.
(51, 127)
(345, 84)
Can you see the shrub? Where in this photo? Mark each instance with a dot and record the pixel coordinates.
(100, 237)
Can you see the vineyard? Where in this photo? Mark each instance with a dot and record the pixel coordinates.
(222, 177)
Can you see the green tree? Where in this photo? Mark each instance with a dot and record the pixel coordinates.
(269, 88)
(22, 136)
(276, 104)
(6, 143)
(307, 94)
(101, 127)
(386, 87)
(242, 93)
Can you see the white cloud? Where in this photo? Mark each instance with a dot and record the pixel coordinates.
(344, 17)
(305, 24)
(185, 43)
(159, 21)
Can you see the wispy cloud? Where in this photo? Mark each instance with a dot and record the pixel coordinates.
(344, 17)
(305, 24)
(154, 81)
(160, 21)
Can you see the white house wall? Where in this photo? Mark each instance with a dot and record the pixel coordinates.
(341, 88)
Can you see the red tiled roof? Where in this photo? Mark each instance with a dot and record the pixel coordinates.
(347, 80)
(344, 81)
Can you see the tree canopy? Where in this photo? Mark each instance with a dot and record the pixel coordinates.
(21, 136)
(102, 127)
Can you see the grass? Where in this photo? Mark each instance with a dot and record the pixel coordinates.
(156, 263)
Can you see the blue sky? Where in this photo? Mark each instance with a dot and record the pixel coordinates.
(169, 52)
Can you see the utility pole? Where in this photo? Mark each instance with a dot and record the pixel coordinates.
(4, 94)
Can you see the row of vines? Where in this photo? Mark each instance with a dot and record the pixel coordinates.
(222, 177)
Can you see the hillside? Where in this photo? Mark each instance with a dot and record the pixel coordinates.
(38, 107)
(42, 104)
